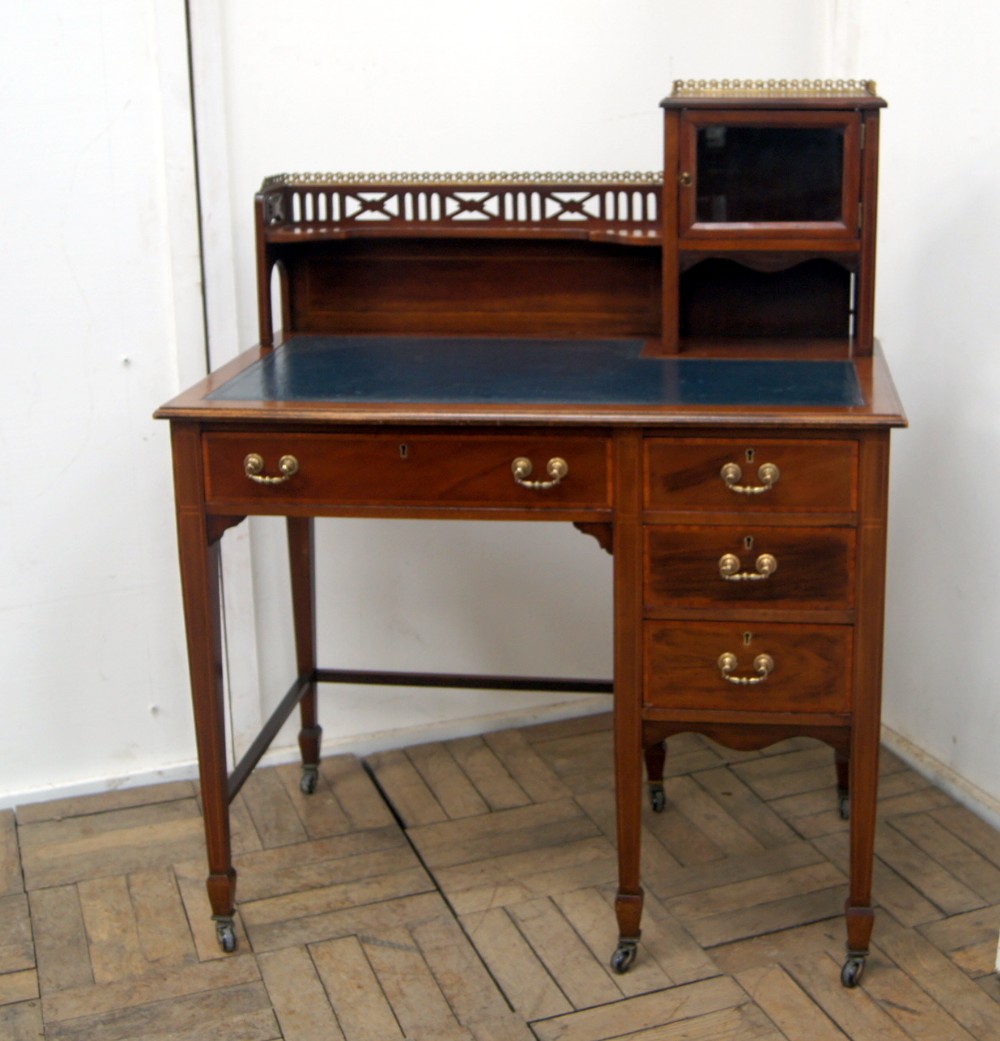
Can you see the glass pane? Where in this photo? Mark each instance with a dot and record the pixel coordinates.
(755, 173)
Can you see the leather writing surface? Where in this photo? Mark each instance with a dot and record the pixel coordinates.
(497, 370)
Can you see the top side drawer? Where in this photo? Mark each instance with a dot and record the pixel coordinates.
(456, 469)
(726, 475)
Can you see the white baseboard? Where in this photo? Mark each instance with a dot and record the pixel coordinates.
(944, 777)
(974, 798)
(981, 803)
(356, 744)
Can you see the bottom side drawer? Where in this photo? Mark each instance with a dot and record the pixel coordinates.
(769, 667)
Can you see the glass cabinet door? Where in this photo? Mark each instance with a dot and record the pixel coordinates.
(769, 174)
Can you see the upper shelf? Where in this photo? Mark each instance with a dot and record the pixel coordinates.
(761, 226)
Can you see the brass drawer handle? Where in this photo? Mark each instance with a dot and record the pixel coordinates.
(521, 468)
(729, 568)
(253, 467)
(767, 473)
(763, 665)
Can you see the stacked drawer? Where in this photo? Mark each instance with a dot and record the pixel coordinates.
(748, 577)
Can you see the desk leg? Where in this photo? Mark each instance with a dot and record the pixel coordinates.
(301, 560)
(859, 911)
(656, 759)
(628, 694)
(842, 762)
(628, 785)
(199, 561)
(866, 716)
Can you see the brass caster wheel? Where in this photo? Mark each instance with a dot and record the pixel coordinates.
(657, 797)
(310, 778)
(624, 956)
(225, 932)
(854, 967)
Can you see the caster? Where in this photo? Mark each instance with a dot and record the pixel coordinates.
(310, 778)
(624, 956)
(657, 797)
(854, 967)
(225, 931)
(843, 804)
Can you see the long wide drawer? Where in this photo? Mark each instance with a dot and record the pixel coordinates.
(471, 470)
(789, 568)
(725, 474)
(769, 668)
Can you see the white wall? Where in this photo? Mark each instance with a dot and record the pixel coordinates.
(938, 314)
(100, 265)
(102, 319)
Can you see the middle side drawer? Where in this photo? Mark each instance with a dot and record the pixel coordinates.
(705, 567)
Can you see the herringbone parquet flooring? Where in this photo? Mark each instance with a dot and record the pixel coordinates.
(478, 908)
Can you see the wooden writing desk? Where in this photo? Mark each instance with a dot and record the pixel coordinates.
(493, 348)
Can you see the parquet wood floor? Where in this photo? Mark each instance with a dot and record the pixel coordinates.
(462, 891)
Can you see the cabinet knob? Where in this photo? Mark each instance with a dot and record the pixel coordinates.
(684, 179)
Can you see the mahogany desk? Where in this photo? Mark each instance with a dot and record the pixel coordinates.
(517, 373)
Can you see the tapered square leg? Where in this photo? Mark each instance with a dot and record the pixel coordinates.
(301, 559)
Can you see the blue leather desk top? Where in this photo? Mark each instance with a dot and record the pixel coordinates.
(497, 370)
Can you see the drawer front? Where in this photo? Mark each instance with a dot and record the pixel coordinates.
(812, 666)
(423, 470)
(812, 476)
(708, 567)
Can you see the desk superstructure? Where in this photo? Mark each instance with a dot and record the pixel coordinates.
(678, 365)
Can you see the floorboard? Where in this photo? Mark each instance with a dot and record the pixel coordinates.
(463, 891)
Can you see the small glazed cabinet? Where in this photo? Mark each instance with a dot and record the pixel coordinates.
(769, 215)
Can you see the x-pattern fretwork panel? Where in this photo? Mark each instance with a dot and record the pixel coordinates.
(308, 204)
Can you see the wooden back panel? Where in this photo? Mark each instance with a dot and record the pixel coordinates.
(473, 286)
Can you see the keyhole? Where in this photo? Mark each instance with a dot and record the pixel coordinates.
(750, 455)
(747, 637)
(748, 542)
(404, 451)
